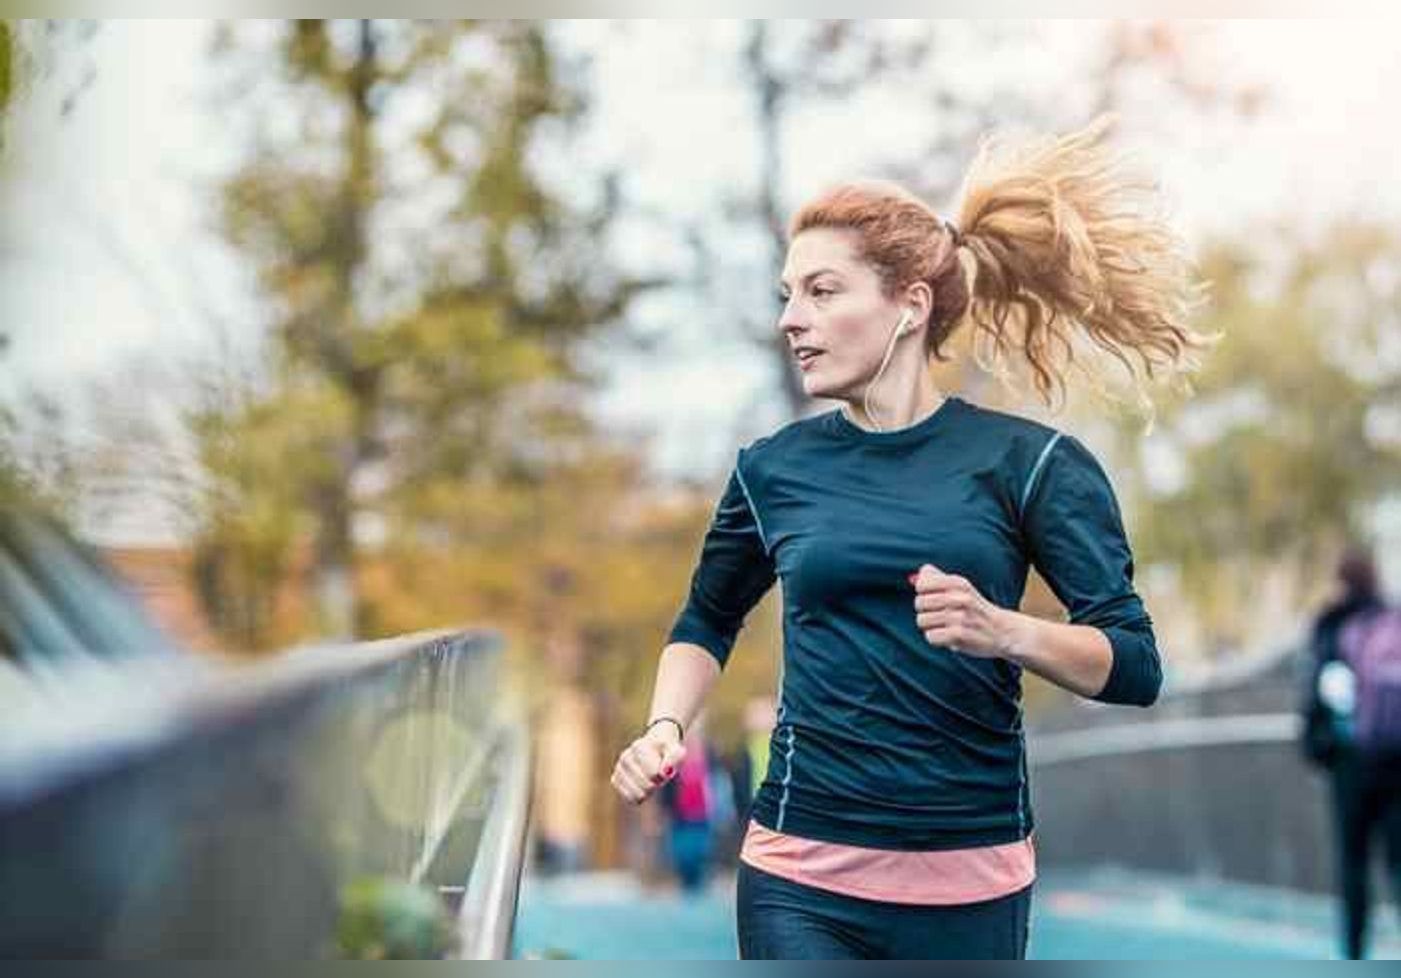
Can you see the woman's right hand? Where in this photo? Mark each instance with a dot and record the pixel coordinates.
(648, 762)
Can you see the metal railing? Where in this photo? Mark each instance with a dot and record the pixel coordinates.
(1210, 782)
(486, 919)
(214, 813)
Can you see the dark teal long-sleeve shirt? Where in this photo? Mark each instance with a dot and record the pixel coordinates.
(882, 739)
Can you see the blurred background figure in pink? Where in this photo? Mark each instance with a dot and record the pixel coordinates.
(699, 804)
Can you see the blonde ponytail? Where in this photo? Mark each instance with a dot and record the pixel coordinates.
(1065, 245)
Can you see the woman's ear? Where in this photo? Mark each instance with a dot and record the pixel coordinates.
(920, 301)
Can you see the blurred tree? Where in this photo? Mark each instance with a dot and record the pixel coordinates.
(429, 288)
(39, 463)
(1171, 59)
(7, 64)
(1293, 433)
(35, 50)
(257, 453)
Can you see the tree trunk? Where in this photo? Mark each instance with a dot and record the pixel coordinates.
(336, 588)
(771, 91)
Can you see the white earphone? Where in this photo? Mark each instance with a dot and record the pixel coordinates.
(905, 327)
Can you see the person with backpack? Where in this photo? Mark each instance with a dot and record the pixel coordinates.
(1352, 729)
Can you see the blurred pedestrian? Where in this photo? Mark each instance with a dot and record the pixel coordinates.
(692, 804)
(1352, 729)
(753, 755)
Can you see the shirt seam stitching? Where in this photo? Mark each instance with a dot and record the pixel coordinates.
(1036, 472)
(787, 779)
(1021, 774)
(753, 510)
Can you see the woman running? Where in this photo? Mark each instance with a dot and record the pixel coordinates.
(895, 818)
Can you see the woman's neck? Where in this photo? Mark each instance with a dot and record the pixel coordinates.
(905, 408)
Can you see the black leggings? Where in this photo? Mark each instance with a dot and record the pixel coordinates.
(1366, 798)
(778, 919)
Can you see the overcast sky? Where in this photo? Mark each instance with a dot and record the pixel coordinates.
(111, 184)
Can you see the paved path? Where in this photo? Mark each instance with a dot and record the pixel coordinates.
(1093, 915)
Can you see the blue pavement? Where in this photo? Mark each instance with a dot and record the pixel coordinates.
(1094, 915)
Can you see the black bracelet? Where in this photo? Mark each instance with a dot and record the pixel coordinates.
(679, 729)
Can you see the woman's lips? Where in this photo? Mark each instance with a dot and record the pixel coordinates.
(806, 361)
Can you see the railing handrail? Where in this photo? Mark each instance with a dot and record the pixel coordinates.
(486, 918)
(175, 699)
(1239, 669)
(1133, 738)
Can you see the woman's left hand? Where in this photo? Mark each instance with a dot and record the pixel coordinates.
(951, 613)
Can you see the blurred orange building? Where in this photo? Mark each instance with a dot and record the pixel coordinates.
(161, 579)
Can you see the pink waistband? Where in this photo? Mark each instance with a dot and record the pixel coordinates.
(895, 876)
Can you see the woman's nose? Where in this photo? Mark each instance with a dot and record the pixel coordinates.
(790, 323)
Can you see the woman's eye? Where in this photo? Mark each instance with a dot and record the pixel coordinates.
(818, 290)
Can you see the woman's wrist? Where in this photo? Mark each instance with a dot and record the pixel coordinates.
(664, 723)
(1017, 636)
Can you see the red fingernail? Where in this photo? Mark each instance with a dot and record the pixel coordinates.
(913, 577)
(667, 771)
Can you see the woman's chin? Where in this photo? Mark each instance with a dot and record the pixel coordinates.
(815, 387)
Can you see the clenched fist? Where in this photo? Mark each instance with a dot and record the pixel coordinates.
(951, 613)
(648, 763)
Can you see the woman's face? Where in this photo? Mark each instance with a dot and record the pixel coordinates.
(834, 305)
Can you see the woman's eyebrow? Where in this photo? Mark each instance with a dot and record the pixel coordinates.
(811, 275)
